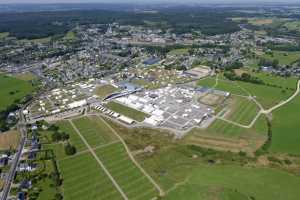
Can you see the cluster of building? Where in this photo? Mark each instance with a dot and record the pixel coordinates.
(172, 107)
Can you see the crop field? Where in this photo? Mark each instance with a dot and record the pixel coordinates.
(105, 90)
(284, 57)
(124, 110)
(12, 89)
(285, 128)
(241, 110)
(84, 179)
(94, 131)
(9, 139)
(129, 177)
(222, 135)
(260, 21)
(83, 170)
(26, 76)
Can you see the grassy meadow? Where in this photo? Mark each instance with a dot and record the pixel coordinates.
(127, 111)
(12, 89)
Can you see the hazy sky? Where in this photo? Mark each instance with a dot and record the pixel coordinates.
(143, 1)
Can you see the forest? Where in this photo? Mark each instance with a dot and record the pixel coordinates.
(32, 25)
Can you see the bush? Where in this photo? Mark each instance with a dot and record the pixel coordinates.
(70, 150)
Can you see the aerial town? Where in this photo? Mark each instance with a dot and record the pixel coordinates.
(109, 109)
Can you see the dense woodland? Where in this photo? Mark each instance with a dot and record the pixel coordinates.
(42, 24)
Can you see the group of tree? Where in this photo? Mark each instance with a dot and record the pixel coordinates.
(234, 65)
(58, 136)
(244, 77)
(70, 149)
(267, 62)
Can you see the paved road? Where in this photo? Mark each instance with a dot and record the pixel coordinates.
(14, 165)
(284, 102)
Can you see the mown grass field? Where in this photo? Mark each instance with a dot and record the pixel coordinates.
(129, 177)
(124, 110)
(12, 89)
(285, 128)
(105, 90)
(83, 176)
(94, 131)
(241, 110)
(75, 140)
(84, 179)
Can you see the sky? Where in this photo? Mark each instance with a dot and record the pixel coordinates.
(143, 1)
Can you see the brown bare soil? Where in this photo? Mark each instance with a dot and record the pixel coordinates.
(9, 139)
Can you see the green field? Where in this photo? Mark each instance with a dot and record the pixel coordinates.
(70, 36)
(129, 177)
(225, 136)
(94, 131)
(13, 89)
(75, 140)
(286, 126)
(241, 110)
(3, 35)
(266, 95)
(105, 90)
(83, 176)
(284, 57)
(223, 85)
(185, 177)
(177, 52)
(129, 112)
(292, 26)
(239, 184)
(207, 82)
(84, 179)
(222, 128)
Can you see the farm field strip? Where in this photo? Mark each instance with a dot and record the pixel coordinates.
(114, 159)
(100, 162)
(81, 172)
(74, 138)
(90, 131)
(132, 180)
(243, 112)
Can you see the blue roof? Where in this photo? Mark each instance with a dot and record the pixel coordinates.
(151, 61)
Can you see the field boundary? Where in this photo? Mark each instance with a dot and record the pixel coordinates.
(161, 192)
(99, 161)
